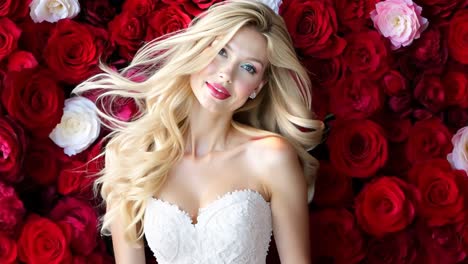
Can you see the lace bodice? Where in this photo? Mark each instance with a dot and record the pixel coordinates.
(235, 228)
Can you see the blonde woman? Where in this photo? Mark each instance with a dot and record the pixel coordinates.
(217, 161)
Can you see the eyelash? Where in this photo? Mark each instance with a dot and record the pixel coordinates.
(248, 67)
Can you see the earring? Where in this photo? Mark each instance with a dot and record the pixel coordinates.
(253, 95)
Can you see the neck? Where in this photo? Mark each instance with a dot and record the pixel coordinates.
(209, 132)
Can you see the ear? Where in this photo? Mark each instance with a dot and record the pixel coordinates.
(260, 86)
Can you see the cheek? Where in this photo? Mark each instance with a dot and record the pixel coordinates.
(245, 88)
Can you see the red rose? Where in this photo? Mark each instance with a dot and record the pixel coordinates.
(8, 250)
(326, 72)
(457, 43)
(429, 51)
(456, 118)
(73, 50)
(313, 27)
(5, 7)
(386, 205)
(440, 244)
(98, 12)
(34, 37)
(321, 107)
(95, 159)
(11, 211)
(165, 20)
(464, 235)
(395, 248)
(34, 99)
(15, 10)
(358, 148)
(20, 60)
(335, 237)
(355, 97)
(455, 84)
(396, 128)
(42, 162)
(13, 147)
(9, 34)
(122, 108)
(401, 104)
(428, 139)
(82, 221)
(42, 241)
(366, 53)
(429, 91)
(75, 179)
(127, 31)
(332, 188)
(139, 7)
(394, 83)
(101, 257)
(441, 9)
(441, 187)
(354, 14)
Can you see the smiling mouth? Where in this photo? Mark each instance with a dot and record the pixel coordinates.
(217, 92)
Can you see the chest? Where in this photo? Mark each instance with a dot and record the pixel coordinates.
(195, 184)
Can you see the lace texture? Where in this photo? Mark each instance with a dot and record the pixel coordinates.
(235, 228)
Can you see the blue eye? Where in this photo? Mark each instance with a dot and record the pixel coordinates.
(249, 68)
(223, 52)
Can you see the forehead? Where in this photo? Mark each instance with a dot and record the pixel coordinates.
(249, 43)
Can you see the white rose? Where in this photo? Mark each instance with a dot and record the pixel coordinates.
(459, 156)
(53, 10)
(273, 4)
(79, 126)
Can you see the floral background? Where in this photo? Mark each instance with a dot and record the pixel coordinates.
(390, 81)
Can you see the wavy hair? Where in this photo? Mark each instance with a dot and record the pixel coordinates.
(140, 152)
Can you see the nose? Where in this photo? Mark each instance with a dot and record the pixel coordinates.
(226, 72)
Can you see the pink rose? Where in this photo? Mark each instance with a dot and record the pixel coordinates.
(399, 20)
(459, 155)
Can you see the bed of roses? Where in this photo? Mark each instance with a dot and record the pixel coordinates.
(390, 81)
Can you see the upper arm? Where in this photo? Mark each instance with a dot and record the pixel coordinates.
(284, 177)
(124, 252)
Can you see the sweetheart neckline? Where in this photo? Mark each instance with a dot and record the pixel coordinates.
(210, 204)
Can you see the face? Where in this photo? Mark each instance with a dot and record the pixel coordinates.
(236, 71)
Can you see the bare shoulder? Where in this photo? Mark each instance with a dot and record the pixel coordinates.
(276, 163)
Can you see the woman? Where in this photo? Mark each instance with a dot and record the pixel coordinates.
(217, 160)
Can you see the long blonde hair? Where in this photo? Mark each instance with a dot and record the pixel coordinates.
(141, 152)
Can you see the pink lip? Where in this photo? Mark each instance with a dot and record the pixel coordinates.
(218, 91)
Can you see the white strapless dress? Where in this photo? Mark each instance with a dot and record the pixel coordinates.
(235, 228)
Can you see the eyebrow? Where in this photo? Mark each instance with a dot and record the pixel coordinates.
(228, 46)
